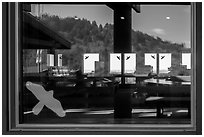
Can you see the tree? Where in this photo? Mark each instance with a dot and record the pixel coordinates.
(89, 37)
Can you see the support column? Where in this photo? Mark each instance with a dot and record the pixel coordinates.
(122, 29)
(122, 33)
(122, 44)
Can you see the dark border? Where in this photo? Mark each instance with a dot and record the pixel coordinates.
(4, 67)
(199, 68)
(8, 71)
(93, 3)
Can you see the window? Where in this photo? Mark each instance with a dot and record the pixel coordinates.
(186, 60)
(164, 62)
(150, 59)
(89, 62)
(130, 62)
(115, 63)
(83, 67)
(161, 39)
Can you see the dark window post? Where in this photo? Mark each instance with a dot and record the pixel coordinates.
(122, 44)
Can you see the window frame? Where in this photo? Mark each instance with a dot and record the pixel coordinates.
(12, 79)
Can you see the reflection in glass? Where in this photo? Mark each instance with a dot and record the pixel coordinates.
(130, 80)
(50, 60)
(186, 60)
(89, 62)
(130, 62)
(151, 59)
(161, 40)
(88, 76)
(115, 63)
(164, 62)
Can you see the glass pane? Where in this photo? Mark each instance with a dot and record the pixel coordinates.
(164, 63)
(151, 60)
(50, 60)
(161, 40)
(115, 63)
(130, 62)
(186, 60)
(67, 63)
(74, 74)
(89, 62)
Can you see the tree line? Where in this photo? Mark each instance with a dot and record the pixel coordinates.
(89, 37)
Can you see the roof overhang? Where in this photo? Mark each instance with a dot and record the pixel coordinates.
(36, 35)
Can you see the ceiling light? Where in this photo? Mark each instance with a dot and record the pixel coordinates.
(167, 18)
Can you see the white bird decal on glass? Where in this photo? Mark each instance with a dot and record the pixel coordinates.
(45, 99)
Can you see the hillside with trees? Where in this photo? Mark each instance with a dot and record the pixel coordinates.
(90, 37)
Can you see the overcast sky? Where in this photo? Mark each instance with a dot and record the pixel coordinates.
(170, 23)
